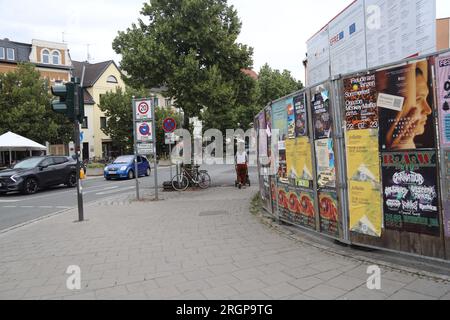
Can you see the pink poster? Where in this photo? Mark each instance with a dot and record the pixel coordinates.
(443, 92)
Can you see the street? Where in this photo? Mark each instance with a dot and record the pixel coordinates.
(16, 209)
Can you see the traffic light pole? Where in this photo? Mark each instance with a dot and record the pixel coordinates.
(77, 151)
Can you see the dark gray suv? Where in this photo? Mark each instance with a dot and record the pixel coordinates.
(32, 174)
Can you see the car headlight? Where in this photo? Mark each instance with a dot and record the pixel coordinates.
(15, 177)
(106, 169)
(123, 168)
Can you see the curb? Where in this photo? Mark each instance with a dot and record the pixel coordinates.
(272, 224)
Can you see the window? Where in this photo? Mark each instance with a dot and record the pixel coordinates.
(84, 125)
(10, 54)
(47, 162)
(156, 101)
(168, 102)
(2, 53)
(60, 160)
(55, 57)
(112, 79)
(102, 122)
(45, 56)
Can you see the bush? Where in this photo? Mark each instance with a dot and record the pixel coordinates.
(95, 166)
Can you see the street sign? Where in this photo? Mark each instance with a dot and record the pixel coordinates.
(143, 110)
(144, 131)
(145, 149)
(170, 138)
(169, 125)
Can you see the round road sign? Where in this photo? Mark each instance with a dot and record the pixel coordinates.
(143, 107)
(169, 125)
(144, 129)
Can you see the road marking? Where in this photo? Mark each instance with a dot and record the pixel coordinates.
(9, 206)
(102, 189)
(8, 201)
(27, 207)
(113, 191)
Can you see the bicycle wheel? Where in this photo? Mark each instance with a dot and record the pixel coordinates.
(204, 180)
(180, 182)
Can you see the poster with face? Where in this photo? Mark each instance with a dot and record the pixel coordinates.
(290, 118)
(360, 97)
(328, 211)
(410, 189)
(443, 83)
(322, 120)
(326, 170)
(405, 102)
(301, 116)
(301, 208)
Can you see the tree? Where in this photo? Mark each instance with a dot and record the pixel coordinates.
(117, 109)
(273, 84)
(25, 101)
(190, 47)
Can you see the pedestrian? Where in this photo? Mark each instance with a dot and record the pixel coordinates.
(241, 167)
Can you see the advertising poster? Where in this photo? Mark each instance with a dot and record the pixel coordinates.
(328, 211)
(301, 116)
(361, 111)
(290, 118)
(326, 170)
(405, 102)
(282, 165)
(301, 208)
(299, 162)
(397, 29)
(410, 188)
(273, 194)
(363, 168)
(447, 219)
(322, 119)
(283, 200)
(348, 40)
(279, 119)
(443, 83)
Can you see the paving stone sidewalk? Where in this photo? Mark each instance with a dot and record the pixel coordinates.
(192, 246)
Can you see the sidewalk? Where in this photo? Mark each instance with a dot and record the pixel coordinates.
(198, 245)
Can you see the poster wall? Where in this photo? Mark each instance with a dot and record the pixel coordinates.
(326, 169)
(410, 187)
(301, 208)
(301, 116)
(299, 162)
(291, 118)
(328, 211)
(363, 168)
(405, 102)
(360, 96)
(279, 119)
(443, 92)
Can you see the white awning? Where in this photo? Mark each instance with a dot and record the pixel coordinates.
(13, 142)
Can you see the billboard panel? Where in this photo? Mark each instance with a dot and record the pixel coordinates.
(318, 50)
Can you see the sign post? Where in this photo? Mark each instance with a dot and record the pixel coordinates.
(169, 126)
(144, 136)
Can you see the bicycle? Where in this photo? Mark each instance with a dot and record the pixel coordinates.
(182, 181)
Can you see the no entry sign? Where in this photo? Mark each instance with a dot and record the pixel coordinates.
(169, 125)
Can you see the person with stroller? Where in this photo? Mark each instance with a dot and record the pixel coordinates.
(241, 167)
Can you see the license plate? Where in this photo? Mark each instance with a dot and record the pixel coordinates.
(112, 172)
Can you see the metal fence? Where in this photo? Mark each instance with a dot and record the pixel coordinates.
(364, 158)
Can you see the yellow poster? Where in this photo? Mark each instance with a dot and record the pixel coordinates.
(363, 170)
(365, 208)
(299, 161)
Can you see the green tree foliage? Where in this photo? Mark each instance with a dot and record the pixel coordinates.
(190, 47)
(25, 102)
(273, 84)
(118, 110)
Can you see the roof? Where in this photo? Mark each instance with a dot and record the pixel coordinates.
(87, 97)
(22, 50)
(12, 141)
(92, 73)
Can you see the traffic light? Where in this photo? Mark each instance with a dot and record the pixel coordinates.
(66, 102)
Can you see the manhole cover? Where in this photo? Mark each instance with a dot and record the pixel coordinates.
(213, 213)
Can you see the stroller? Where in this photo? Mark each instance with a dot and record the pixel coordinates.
(247, 182)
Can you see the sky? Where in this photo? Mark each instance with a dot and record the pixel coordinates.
(277, 30)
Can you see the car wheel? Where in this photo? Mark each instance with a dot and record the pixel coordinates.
(131, 174)
(72, 180)
(148, 172)
(30, 186)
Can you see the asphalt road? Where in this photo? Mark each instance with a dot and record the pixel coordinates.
(16, 209)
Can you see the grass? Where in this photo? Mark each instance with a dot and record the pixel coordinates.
(95, 166)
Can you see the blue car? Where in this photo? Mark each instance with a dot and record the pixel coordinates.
(123, 168)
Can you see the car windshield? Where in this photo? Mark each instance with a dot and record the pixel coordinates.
(28, 163)
(124, 160)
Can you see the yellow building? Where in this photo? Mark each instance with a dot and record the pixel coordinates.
(97, 79)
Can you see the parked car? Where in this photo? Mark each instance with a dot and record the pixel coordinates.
(32, 174)
(123, 168)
